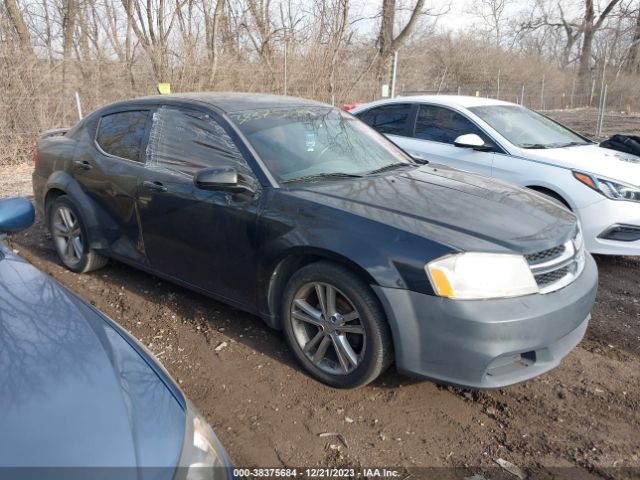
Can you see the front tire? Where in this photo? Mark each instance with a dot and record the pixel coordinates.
(335, 326)
(70, 238)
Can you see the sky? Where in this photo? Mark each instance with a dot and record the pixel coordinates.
(456, 18)
(458, 14)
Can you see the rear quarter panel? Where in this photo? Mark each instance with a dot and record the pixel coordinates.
(55, 153)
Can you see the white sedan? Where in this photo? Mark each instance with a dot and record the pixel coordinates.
(513, 143)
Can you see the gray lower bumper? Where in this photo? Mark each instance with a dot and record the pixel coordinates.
(488, 343)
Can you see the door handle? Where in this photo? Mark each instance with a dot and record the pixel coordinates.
(154, 186)
(82, 165)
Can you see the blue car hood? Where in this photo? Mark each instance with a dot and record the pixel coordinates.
(74, 391)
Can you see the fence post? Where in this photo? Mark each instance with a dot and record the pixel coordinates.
(542, 94)
(603, 103)
(394, 71)
(444, 75)
(573, 90)
(599, 112)
(78, 106)
(286, 54)
(522, 96)
(498, 93)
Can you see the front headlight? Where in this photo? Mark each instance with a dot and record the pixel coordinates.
(481, 275)
(203, 456)
(609, 188)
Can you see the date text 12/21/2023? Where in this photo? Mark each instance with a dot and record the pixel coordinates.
(319, 472)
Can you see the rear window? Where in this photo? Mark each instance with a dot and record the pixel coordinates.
(391, 119)
(121, 134)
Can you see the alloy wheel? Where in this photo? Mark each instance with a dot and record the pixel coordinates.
(67, 235)
(328, 328)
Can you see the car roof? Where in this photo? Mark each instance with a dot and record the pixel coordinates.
(460, 101)
(227, 101)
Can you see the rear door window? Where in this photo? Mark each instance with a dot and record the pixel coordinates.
(439, 124)
(122, 134)
(390, 119)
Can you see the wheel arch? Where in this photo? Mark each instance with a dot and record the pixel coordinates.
(61, 183)
(552, 192)
(49, 198)
(280, 273)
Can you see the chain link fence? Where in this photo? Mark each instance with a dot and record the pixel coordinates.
(37, 95)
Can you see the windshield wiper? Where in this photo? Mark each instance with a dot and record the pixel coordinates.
(534, 146)
(321, 176)
(391, 166)
(568, 144)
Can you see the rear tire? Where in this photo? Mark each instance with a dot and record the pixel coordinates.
(70, 237)
(336, 326)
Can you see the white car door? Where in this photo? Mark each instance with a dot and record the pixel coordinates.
(433, 137)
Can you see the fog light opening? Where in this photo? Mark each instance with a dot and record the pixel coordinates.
(621, 233)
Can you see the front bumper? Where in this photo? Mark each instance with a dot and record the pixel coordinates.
(488, 343)
(599, 217)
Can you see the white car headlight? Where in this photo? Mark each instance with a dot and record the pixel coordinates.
(203, 456)
(609, 188)
(472, 275)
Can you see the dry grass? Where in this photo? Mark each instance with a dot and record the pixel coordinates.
(15, 180)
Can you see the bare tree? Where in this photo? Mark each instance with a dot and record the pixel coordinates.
(18, 24)
(633, 57)
(492, 13)
(555, 19)
(590, 25)
(388, 43)
(212, 18)
(260, 29)
(153, 23)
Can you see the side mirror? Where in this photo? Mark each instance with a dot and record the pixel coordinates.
(471, 140)
(15, 214)
(219, 178)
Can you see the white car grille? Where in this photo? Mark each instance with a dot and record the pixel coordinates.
(559, 266)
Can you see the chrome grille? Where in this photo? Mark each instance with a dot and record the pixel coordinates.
(545, 279)
(559, 266)
(544, 255)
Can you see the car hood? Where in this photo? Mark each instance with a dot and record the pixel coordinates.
(459, 209)
(75, 392)
(592, 159)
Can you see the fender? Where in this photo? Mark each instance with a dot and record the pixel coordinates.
(373, 261)
(541, 185)
(275, 273)
(94, 218)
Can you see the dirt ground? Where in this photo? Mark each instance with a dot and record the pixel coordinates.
(581, 420)
(585, 121)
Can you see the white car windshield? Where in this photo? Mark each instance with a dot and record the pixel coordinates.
(308, 143)
(526, 128)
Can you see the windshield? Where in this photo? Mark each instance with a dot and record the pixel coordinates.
(315, 142)
(526, 128)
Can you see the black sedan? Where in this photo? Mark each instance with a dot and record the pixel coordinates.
(303, 215)
(80, 397)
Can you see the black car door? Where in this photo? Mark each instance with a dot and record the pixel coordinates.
(107, 165)
(202, 237)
